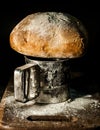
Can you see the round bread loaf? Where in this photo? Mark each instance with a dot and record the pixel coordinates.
(49, 35)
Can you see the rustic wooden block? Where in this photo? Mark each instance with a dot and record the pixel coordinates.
(82, 113)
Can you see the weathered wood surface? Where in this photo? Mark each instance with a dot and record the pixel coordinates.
(11, 119)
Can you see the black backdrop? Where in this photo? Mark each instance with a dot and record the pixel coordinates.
(11, 12)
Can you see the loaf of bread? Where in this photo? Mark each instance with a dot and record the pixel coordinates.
(49, 35)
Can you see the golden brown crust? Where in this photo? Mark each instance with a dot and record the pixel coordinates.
(48, 35)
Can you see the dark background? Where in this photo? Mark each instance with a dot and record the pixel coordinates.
(11, 12)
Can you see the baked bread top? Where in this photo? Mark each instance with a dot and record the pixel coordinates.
(49, 35)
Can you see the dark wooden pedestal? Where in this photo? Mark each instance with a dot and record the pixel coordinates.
(12, 117)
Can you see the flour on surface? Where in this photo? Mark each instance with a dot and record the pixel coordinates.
(71, 108)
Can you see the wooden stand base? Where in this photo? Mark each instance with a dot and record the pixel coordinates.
(82, 113)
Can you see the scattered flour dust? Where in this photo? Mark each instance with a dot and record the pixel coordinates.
(24, 110)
